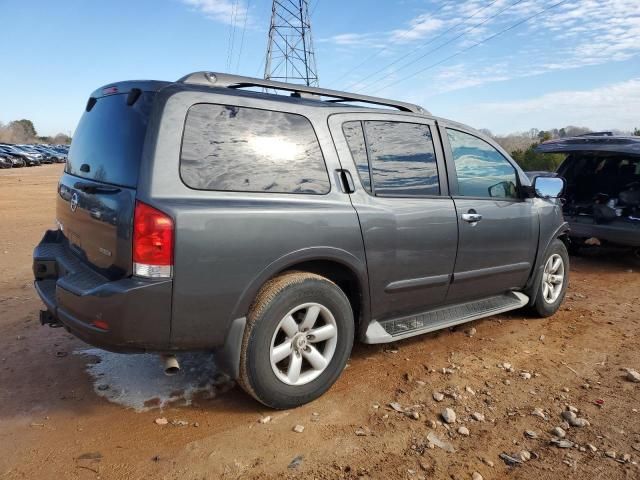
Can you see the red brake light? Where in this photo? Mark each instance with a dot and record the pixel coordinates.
(152, 241)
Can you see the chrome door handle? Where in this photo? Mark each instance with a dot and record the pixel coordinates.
(471, 217)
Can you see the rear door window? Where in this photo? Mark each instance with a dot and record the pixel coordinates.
(241, 149)
(355, 139)
(402, 157)
(107, 145)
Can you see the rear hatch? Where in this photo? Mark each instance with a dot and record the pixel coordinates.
(97, 191)
(602, 198)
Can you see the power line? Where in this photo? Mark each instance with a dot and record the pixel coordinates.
(260, 70)
(380, 51)
(421, 46)
(448, 42)
(313, 9)
(244, 28)
(464, 50)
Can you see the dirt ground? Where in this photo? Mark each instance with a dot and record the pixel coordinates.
(53, 424)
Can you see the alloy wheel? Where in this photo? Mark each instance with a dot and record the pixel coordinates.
(553, 278)
(303, 344)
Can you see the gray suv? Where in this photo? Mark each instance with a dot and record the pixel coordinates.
(213, 214)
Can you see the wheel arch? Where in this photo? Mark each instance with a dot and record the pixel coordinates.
(339, 266)
(561, 233)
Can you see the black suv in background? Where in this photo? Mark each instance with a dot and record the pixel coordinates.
(603, 188)
(274, 230)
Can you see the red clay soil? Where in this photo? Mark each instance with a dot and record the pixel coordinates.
(53, 425)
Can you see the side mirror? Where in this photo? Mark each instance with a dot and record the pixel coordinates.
(502, 190)
(548, 187)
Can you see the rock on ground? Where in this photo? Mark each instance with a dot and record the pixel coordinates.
(633, 376)
(449, 416)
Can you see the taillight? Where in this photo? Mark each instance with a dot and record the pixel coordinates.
(152, 242)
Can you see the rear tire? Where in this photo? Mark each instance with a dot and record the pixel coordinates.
(553, 280)
(298, 339)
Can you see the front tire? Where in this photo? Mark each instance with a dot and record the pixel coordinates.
(553, 280)
(298, 339)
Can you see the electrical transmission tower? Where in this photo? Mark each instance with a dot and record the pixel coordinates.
(290, 55)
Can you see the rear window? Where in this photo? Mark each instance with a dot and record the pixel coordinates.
(107, 145)
(243, 149)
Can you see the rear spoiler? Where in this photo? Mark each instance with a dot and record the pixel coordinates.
(127, 86)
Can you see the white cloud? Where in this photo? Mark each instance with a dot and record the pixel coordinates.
(419, 28)
(569, 36)
(351, 39)
(613, 106)
(458, 77)
(224, 11)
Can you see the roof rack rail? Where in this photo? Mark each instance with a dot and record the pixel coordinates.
(224, 80)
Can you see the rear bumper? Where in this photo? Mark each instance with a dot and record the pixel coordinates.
(137, 311)
(619, 232)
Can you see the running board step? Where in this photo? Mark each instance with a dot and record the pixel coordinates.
(397, 329)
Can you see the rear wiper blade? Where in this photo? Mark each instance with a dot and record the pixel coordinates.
(93, 188)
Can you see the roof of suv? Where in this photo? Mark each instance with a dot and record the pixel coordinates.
(312, 96)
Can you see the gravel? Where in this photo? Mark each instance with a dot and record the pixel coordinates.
(524, 455)
(449, 416)
(435, 440)
(478, 417)
(539, 412)
(562, 443)
(573, 419)
(633, 376)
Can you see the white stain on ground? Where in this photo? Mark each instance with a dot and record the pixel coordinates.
(138, 381)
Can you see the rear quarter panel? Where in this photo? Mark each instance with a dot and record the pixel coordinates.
(229, 243)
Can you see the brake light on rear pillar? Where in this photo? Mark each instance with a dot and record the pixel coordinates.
(153, 241)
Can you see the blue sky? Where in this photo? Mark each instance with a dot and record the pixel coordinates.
(577, 63)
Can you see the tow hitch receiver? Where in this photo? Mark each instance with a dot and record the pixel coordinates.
(47, 319)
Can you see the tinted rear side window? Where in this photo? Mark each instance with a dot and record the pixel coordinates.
(107, 145)
(355, 139)
(402, 157)
(249, 150)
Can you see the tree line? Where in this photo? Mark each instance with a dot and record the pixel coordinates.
(23, 131)
(521, 146)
